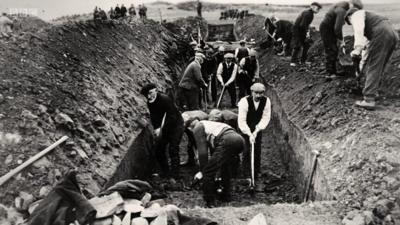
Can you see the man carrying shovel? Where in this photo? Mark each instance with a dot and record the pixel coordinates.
(168, 128)
(254, 116)
(226, 75)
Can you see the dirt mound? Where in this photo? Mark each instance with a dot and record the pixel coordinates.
(206, 6)
(28, 24)
(188, 26)
(80, 79)
(251, 28)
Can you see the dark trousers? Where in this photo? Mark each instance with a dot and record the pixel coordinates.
(191, 98)
(331, 49)
(227, 147)
(172, 139)
(231, 89)
(300, 44)
(244, 83)
(257, 156)
(214, 88)
(380, 49)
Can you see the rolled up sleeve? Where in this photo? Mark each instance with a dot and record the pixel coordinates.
(242, 117)
(358, 22)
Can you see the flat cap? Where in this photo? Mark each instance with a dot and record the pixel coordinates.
(317, 4)
(242, 41)
(257, 87)
(146, 88)
(229, 56)
(201, 55)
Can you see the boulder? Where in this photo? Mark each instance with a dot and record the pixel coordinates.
(139, 221)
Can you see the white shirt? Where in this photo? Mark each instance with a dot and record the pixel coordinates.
(242, 117)
(220, 70)
(213, 128)
(358, 23)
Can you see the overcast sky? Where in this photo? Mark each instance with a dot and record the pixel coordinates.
(49, 9)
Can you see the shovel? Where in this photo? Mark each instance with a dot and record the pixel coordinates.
(220, 97)
(252, 182)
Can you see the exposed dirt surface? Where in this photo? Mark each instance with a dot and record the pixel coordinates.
(359, 147)
(80, 79)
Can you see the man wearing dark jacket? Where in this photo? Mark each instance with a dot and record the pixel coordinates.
(168, 128)
(226, 75)
(301, 33)
(249, 71)
(332, 35)
(192, 81)
(283, 32)
(117, 12)
(123, 11)
(375, 35)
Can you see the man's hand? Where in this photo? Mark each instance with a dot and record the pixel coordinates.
(308, 35)
(157, 132)
(356, 52)
(198, 176)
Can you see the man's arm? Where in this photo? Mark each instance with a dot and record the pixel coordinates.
(257, 72)
(201, 144)
(266, 116)
(242, 117)
(358, 22)
(219, 73)
(241, 65)
(198, 76)
(233, 76)
(340, 15)
(236, 52)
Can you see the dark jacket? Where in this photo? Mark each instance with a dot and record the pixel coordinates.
(303, 21)
(335, 18)
(192, 78)
(284, 30)
(163, 104)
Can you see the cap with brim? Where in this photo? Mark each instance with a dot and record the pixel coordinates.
(229, 56)
(146, 88)
(349, 13)
(199, 55)
(317, 4)
(257, 87)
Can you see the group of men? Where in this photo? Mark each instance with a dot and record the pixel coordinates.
(233, 14)
(374, 41)
(209, 70)
(119, 12)
(218, 139)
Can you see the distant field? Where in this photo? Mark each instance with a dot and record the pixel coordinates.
(171, 12)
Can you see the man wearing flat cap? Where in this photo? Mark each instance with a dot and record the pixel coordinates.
(249, 72)
(226, 75)
(376, 36)
(301, 32)
(192, 81)
(168, 129)
(254, 116)
(241, 51)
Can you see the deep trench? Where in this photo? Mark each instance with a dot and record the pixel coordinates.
(287, 161)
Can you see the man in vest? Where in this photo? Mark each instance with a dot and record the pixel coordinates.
(226, 75)
(377, 36)
(283, 32)
(242, 51)
(168, 129)
(254, 116)
(332, 35)
(218, 58)
(223, 144)
(301, 33)
(249, 71)
(192, 81)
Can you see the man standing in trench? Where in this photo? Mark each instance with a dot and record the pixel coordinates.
(254, 116)
(226, 75)
(249, 72)
(377, 36)
(192, 81)
(168, 129)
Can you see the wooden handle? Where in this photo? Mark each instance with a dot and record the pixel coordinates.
(220, 97)
(18, 169)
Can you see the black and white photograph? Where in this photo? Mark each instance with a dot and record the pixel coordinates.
(199, 112)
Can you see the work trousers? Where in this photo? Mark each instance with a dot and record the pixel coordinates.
(228, 145)
(330, 45)
(214, 88)
(172, 140)
(257, 156)
(380, 48)
(232, 93)
(191, 98)
(244, 82)
(300, 44)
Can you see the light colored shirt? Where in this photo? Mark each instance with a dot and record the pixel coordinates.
(256, 72)
(358, 22)
(213, 128)
(233, 76)
(242, 117)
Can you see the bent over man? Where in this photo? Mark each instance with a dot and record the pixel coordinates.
(223, 144)
(375, 34)
(168, 128)
(254, 116)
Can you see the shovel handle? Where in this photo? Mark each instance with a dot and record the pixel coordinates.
(252, 165)
(220, 97)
